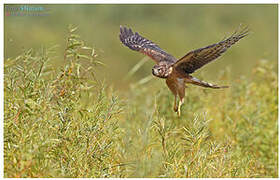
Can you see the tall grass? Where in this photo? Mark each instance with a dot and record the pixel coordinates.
(68, 123)
(58, 125)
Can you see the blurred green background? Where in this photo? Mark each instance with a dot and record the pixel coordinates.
(175, 28)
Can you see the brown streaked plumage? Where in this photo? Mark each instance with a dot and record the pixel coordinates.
(177, 72)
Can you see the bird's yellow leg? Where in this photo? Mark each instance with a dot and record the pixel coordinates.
(179, 107)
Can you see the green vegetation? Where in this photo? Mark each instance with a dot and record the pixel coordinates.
(68, 123)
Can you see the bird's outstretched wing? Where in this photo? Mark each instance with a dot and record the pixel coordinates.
(138, 43)
(198, 58)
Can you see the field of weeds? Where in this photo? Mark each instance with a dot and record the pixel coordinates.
(61, 121)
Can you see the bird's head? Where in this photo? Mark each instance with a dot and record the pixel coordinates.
(161, 70)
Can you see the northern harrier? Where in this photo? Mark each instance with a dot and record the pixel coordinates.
(177, 72)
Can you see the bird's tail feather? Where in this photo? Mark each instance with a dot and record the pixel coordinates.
(205, 84)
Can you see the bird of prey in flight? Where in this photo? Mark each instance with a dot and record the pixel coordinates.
(177, 72)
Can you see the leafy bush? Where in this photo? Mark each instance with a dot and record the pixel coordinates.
(61, 125)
